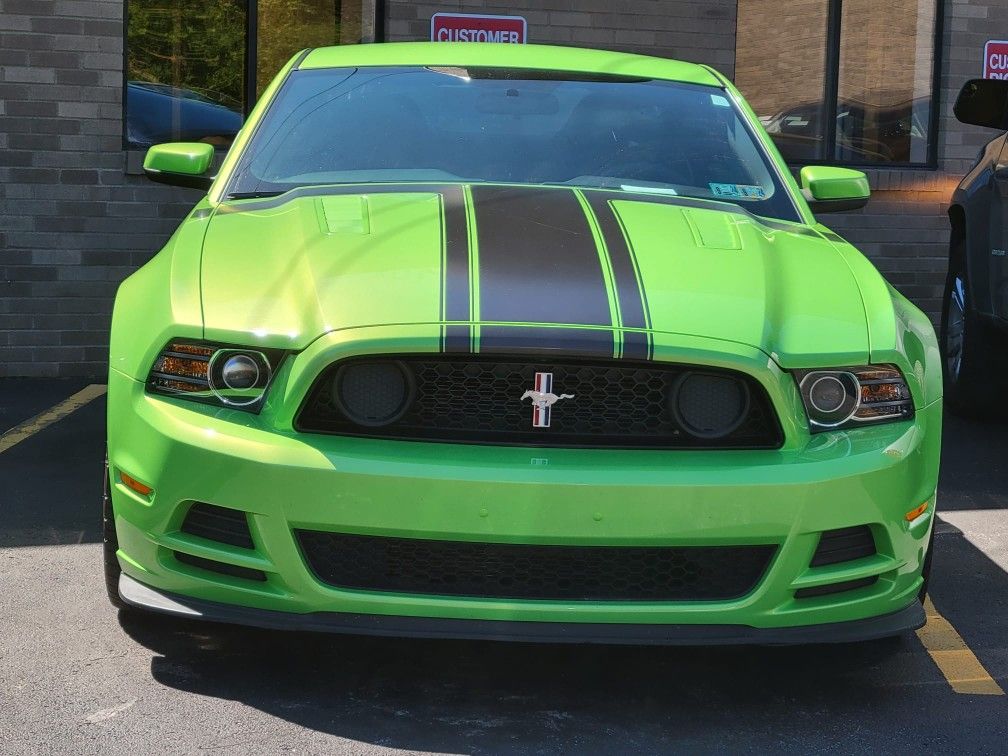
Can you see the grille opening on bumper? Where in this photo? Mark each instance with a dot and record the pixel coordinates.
(844, 545)
(221, 568)
(482, 399)
(522, 571)
(826, 590)
(219, 524)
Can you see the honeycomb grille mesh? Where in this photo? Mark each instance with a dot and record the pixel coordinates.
(471, 399)
(520, 571)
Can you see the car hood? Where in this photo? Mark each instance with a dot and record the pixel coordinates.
(530, 268)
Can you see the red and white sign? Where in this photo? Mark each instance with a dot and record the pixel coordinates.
(467, 27)
(996, 59)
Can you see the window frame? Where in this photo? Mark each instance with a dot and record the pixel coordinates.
(831, 90)
(251, 53)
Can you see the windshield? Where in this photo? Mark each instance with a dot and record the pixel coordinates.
(515, 126)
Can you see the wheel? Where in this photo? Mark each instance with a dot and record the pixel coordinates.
(110, 544)
(970, 352)
(926, 569)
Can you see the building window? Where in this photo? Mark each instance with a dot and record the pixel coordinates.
(832, 85)
(191, 65)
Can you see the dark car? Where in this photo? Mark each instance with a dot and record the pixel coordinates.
(157, 113)
(974, 327)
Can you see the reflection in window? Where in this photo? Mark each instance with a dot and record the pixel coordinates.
(186, 64)
(780, 64)
(855, 92)
(185, 71)
(884, 93)
(286, 26)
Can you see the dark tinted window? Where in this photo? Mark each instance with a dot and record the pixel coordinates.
(509, 126)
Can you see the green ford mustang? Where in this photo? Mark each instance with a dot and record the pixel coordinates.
(517, 342)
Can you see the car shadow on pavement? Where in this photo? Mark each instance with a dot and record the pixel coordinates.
(974, 464)
(485, 697)
(472, 696)
(51, 482)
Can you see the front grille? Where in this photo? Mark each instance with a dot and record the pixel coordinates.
(219, 524)
(521, 571)
(465, 398)
(844, 545)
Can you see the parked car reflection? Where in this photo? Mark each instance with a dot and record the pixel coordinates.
(891, 132)
(158, 113)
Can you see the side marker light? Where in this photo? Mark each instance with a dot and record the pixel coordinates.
(913, 514)
(135, 485)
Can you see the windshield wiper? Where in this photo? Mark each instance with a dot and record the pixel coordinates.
(255, 195)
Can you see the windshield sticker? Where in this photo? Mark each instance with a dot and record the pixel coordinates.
(721, 102)
(649, 189)
(738, 191)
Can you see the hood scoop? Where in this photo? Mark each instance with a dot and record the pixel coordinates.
(349, 214)
(713, 230)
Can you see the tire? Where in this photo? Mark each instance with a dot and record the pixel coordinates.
(971, 358)
(110, 545)
(926, 569)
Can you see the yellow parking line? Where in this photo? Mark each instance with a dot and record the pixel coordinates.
(960, 666)
(28, 428)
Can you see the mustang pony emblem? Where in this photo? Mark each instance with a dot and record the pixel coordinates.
(543, 399)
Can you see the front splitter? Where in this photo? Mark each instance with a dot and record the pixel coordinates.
(138, 595)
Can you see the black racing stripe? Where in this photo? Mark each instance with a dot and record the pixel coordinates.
(456, 293)
(576, 342)
(538, 261)
(626, 281)
(636, 345)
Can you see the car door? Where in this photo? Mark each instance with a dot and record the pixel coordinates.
(997, 255)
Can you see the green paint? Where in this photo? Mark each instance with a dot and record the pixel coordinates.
(824, 182)
(184, 158)
(363, 273)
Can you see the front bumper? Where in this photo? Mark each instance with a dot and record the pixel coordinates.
(138, 595)
(594, 497)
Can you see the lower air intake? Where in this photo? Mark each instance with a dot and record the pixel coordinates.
(219, 524)
(221, 568)
(844, 545)
(520, 571)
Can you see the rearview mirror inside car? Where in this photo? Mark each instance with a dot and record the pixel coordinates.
(180, 164)
(983, 102)
(832, 190)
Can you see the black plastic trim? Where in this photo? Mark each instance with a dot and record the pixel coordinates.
(139, 595)
(828, 590)
(209, 565)
(775, 433)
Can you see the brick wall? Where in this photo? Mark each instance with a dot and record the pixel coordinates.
(905, 228)
(72, 224)
(689, 29)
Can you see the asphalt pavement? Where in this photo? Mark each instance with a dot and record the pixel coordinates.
(77, 677)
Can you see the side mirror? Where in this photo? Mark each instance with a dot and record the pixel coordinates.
(983, 102)
(180, 164)
(833, 190)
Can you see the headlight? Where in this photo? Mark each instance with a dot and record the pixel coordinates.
(215, 374)
(851, 397)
